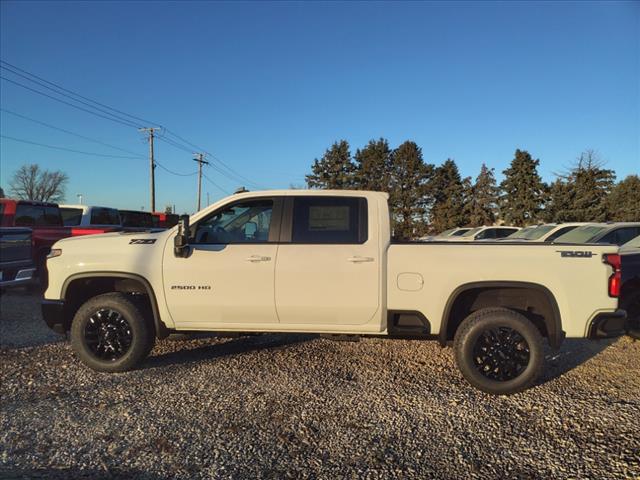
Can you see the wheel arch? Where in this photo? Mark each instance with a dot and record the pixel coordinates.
(463, 298)
(127, 282)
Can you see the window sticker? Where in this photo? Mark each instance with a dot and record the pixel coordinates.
(323, 218)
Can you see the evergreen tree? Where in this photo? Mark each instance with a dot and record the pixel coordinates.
(448, 193)
(373, 165)
(408, 196)
(522, 191)
(581, 195)
(591, 184)
(559, 204)
(334, 170)
(624, 200)
(482, 202)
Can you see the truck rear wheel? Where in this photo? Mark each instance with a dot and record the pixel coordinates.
(499, 351)
(109, 333)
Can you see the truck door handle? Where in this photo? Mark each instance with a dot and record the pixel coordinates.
(258, 258)
(359, 259)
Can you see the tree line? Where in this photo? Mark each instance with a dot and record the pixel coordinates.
(425, 198)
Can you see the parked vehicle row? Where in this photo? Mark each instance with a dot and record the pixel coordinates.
(324, 262)
(111, 218)
(543, 233)
(613, 233)
(46, 223)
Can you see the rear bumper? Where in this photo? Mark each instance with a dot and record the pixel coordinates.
(53, 315)
(608, 325)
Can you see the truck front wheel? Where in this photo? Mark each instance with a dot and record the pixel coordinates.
(499, 351)
(109, 333)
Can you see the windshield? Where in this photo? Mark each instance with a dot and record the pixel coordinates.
(532, 233)
(446, 233)
(633, 243)
(580, 234)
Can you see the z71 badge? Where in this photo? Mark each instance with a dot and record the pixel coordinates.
(575, 253)
(142, 241)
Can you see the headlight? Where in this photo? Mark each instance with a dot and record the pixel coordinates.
(55, 252)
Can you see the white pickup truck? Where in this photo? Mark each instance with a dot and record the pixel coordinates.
(324, 262)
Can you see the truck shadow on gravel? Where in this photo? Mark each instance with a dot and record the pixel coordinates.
(573, 353)
(232, 347)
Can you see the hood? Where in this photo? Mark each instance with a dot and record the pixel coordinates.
(112, 238)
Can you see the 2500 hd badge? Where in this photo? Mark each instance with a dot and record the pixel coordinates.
(190, 287)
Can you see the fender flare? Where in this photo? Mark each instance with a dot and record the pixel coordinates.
(161, 329)
(554, 325)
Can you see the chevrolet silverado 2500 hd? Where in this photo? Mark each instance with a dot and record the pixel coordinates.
(324, 262)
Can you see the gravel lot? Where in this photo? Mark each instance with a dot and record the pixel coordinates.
(297, 406)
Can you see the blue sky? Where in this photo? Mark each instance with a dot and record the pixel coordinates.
(267, 87)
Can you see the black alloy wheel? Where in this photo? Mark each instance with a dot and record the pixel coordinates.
(113, 332)
(501, 354)
(499, 351)
(108, 334)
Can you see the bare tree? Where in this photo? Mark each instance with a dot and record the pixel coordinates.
(31, 183)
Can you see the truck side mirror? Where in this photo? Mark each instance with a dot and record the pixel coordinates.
(181, 240)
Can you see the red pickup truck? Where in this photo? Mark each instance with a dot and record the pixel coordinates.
(45, 221)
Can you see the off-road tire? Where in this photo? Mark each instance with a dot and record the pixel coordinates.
(476, 327)
(142, 335)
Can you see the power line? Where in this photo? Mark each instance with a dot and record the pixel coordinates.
(230, 173)
(175, 173)
(69, 132)
(233, 178)
(41, 84)
(75, 93)
(215, 184)
(173, 143)
(67, 103)
(65, 149)
(137, 155)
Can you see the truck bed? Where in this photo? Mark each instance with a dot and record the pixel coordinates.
(421, 276)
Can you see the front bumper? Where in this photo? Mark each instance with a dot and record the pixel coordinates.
(608, 325)
(54, 315)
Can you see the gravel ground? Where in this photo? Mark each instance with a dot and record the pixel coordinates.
(297, 406)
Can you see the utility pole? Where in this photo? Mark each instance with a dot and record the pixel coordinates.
(200, 161)
(152, 165)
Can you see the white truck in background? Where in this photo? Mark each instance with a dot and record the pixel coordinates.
(324, 262)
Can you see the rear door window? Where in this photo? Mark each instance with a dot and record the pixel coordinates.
(71, 217)
(37, 215)
(104, 216)
(329, 220)
(51, 217)
(505, 232)
(26, 215)
(485, 234)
